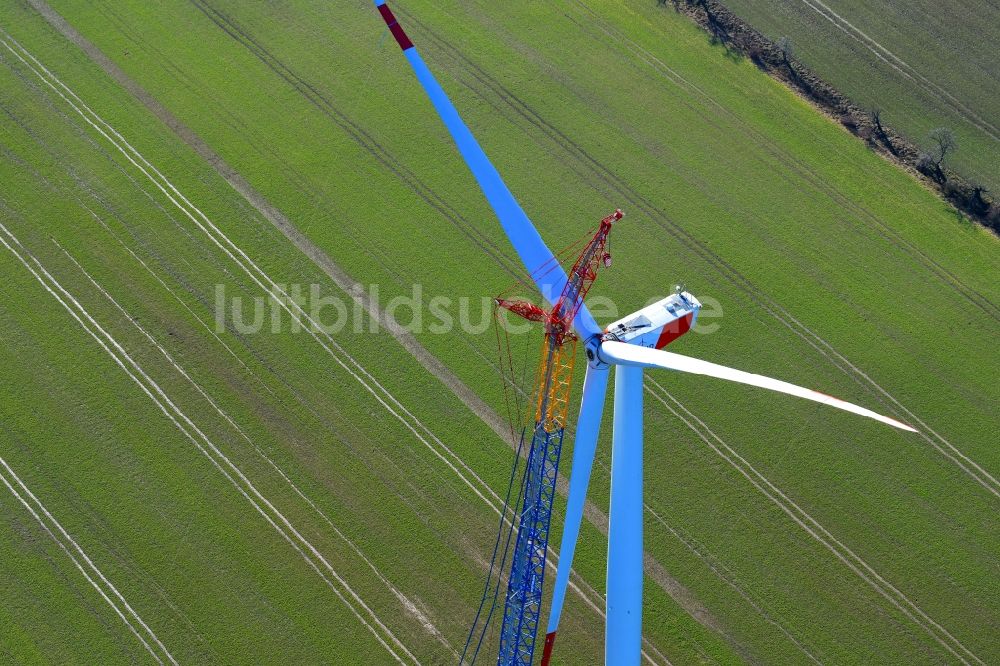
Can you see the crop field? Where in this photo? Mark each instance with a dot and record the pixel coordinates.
(925, 64)
(179, 487)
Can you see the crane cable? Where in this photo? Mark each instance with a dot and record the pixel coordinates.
(505, 534)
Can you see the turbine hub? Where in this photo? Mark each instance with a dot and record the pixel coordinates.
(592, 348)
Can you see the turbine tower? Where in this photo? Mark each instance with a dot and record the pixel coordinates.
(630, 345)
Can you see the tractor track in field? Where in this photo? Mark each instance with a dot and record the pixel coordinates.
(812, 527)
(727, 576)
(100, 529)
(256, 274)
(361, 137)
(320, 416)
(903, 68)
(272, 214)
(407, 604)
(210, 445)
(302, 182)
(163, 262)
(370, 245)
(589, 595)
(204, 445)
(69, 546)
(330, 428)
(136, 235)
(706, 254)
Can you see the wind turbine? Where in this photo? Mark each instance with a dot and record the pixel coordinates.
(630, 345)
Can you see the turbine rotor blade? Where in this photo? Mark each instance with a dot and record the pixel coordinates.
(624, 354)
(546, 272)
(595, 388)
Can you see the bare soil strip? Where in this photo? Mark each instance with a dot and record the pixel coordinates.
(362, 138)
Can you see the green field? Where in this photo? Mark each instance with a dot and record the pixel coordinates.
(287, 497)
(925, 64)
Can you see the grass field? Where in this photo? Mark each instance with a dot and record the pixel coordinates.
(297, 498)
(925, 64)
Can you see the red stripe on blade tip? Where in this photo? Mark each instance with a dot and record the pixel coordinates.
(394, 27)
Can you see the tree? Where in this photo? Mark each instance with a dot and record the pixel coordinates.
(944, 143)
(931, 161)
(785, 46)
(977, 202)
(883, 136)
(876, 116)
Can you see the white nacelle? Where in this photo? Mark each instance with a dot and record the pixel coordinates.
(659, 324)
